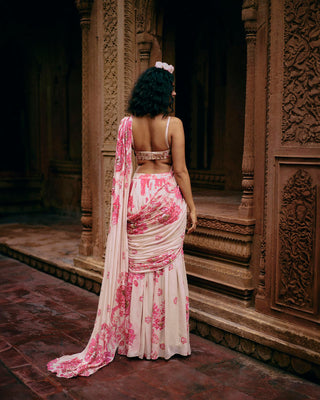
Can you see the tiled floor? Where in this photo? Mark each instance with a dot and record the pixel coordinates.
(42, 317)
(50, 237)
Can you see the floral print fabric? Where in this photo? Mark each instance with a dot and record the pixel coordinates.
(159, 302)
(143, 305)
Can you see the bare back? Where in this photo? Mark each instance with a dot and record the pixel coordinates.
(149, 135)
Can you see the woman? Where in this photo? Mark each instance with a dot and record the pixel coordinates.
(143, 307)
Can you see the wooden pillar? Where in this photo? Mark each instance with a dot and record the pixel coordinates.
(250, 23)
(85, 248)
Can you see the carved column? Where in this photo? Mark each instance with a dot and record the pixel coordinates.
(85, 247)
(250, 23)
(118, 70)
(149, 27)
(144, 42)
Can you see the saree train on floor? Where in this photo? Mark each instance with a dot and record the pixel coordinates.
(143, 307)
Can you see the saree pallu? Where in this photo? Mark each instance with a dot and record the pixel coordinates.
(143, 306)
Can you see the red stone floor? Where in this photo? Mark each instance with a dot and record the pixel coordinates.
(42, 317)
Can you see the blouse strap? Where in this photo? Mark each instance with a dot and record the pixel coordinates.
(167, 129)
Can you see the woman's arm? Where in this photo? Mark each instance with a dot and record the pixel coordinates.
(180, 169)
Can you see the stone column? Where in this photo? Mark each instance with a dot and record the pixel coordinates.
(118, 70)
(85, 247)
(144, 42)
(250, 23)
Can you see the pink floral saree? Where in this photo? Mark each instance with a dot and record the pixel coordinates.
(143, 308)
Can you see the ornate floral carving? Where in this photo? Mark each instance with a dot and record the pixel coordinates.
(296, 232)
(301, 97)
(141, 7)
(110, 70)
(129, 50)
(118, 70)
(213, 223)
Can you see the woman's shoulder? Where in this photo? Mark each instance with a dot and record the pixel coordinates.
(175, 123)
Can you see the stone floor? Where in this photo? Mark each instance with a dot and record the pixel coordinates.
(52, 238)
(42, 317)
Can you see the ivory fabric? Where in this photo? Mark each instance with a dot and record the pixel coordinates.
(143, 308)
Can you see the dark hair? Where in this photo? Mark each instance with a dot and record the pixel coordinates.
(152, 93)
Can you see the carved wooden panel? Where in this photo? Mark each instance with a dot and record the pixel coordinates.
(296, 232)
(301, 85)
(297, 255)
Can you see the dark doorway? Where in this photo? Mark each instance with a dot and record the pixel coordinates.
(40, 156)
(210, 58)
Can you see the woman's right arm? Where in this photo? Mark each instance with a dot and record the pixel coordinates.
(180, 169)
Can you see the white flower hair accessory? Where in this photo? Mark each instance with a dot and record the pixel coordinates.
(163, 65)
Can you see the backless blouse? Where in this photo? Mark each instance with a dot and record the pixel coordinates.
(154, 155)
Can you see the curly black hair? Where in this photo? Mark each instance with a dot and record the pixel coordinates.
(152, 93)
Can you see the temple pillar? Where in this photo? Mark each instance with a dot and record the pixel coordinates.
(85, 247)
(149, 30)
(250, 24)
(118, 75)
(144, 42)
(111, 73)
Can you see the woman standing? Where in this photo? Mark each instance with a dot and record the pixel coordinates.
(143, 307)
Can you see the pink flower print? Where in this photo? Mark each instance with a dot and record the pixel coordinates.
(175, 300)
(154, 338)
(183, 340)
(99, 312)
(147, 320)
(135, 282)
(144, 185)
(169, 214)
(154, 355)
(115, 210)
(130, 336)
(136, 228)
(108, 308)
(158, 237)
(177, 193)
(120, 298)
(130, 203)
(162, 346)
(158, 316)
(93, 349)
(66, 366)
(170, 267)
(141, 298)
(159, 292)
